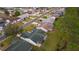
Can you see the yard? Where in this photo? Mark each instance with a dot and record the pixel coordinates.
(53, 38)
(0, 33)
(29, 18)
(6, 42)
(29, 28)
(65, 35)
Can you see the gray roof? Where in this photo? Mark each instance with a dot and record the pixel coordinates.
(19, 45)
(26, 35)
(2, 23)
(38, 36)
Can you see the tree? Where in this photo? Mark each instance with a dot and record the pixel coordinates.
(11, 29)
(6, 12)
(45, 17)
(17, 13)
(72, 24)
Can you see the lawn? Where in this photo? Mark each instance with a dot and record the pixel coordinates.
(49, 44)
(72, 24)
(29, 28)
(0, 33)
(29, 18)
(6, 42)
(45, 17)
(65, 35)
(53, 38)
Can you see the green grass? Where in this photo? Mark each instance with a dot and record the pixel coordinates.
(72, 24)
(6, 42)
(53, 38)
(45, 17)
(29, 28)
(29, 18)
(66, 33)
(0, 33)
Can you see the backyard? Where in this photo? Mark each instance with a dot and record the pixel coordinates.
(65, 34)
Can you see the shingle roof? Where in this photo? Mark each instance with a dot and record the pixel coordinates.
(19, 45)
(25, 34)
(38, 31)
(37, 36)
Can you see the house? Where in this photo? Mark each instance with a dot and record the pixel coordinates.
(47, 24)
(26, 40)
(37, 36)
(2, 24)
(20, 18)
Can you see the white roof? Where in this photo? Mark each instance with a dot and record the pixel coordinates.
(35, 23)
(30, 41)
(1, 28)
(8, 21)
(23, 16)
(19, 20)
(42, 29)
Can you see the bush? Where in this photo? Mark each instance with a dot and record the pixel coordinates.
(17, 13)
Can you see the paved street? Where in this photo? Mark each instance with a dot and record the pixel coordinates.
(33, 20)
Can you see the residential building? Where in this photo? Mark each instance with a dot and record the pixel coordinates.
(47, 25)
(26, 40)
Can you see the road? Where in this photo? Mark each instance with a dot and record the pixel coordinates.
(2, 37)
(28, 23)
